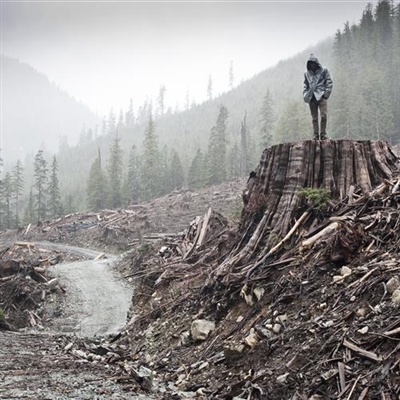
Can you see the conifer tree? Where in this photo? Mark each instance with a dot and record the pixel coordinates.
(29, 214)
(161, 100)
(54, 203)
(217, 149)
(267, 118)
(96, 198)
(129, 115)
(231, 76)
(150, 165)
(18, 188)
(6, 202)
(209, 88)
(234, 161)
(132, 184)
(244, 144)
(177, 177)
(197, 171)
(40, 185)
(115, 173)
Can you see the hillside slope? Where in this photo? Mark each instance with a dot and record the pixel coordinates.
(35, 112)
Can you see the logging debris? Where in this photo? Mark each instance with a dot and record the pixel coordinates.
(25, 285)
(316, 318)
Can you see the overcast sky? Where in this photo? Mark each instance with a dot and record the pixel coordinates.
(104, 53)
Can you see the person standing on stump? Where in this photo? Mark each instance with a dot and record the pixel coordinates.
(316, 91)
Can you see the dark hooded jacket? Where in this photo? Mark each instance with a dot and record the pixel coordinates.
(318, 83)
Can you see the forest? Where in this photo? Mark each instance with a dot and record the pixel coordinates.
(150, 151)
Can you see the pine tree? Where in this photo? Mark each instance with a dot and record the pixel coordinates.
(150, 170)
(197, 171)
(294, 123)
(18, 188)
(40, 185)
(217, 149)
(267, 117)
(96, 184)
(161, 100)
(243, 152)
(231, 75)
(130, 115)
(111, 122)
(54, 204)
(177, 177)
(115, 173)
(234, 161)
(29, 215)
(209, 88)
(132, 184)
(6, 200)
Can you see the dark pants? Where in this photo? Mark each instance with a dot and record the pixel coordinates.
(322, 105)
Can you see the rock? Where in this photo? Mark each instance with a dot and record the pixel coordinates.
(345, 271)
(282, 318)
(282, 378)
(184, 338)
(338, 278)
(233, 352)
(239, 319)
(68, 346)
(396, 297)
(79, 353)
(393, 284)
(201, 328)
(204, 365)
(328, 324)
(361, 312)
(52, 283)
(329, 374)
(277, 328)
(363, 331)
(263, 332)
(252, 339)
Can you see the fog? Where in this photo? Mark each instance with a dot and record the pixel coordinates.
(106, 53)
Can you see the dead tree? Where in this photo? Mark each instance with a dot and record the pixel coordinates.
(273, 202)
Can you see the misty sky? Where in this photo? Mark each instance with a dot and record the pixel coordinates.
(104, 53)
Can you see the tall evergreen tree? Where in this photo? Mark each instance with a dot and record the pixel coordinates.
(209, 88)
(18, 188)
(54, 204)
(132, 184)
(197, 175)
(29, 215)
(6, 202)
(177, 177)
(267, 118)
(231, 75)
(115, 173)
(96, 185)
(217, 149)
(40, 185)
(130, 115)
(161, 100)
(150, 165)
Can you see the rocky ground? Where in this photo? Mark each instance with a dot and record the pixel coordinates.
(317, 318)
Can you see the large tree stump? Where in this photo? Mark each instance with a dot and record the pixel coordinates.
(273, 200)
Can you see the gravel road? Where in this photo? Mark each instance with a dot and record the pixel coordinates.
(97, 299)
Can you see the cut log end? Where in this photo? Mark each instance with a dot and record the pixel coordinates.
(336, 167)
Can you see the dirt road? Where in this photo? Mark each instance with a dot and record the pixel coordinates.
(97, 299)
(36, 366)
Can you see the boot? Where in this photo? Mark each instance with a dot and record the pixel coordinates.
(316, 136)
(324, 136)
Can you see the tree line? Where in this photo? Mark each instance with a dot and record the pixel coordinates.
(43, 201)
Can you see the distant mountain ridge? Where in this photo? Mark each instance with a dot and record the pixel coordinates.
(36, 112)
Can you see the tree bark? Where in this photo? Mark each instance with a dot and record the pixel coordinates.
(273, 193)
